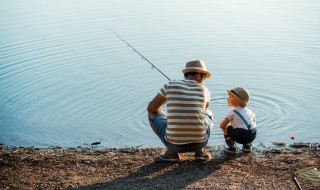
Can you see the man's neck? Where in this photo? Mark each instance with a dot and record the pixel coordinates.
(190, 77)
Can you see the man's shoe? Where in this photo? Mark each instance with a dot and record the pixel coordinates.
(246, 148)
(230, 150)
(202, 155)
(168, 156)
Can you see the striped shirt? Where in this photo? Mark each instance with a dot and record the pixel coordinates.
(186, 102)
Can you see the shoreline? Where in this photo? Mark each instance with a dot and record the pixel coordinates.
(97, 146)
(134, 168)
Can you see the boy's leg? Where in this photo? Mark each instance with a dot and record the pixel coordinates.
(244, 137)
(251, 135)
(228, 133)
(246, 148)
(230, 148)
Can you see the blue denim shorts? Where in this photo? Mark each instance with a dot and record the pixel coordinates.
(160, 126)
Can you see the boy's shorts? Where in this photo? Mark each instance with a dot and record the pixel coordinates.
(160, 125)
(242, 136)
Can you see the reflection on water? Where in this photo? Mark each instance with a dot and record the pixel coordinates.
(67, 80)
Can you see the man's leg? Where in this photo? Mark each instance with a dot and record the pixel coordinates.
(202, 154)
(158, 123)
(151, 117)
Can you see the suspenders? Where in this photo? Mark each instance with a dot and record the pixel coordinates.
(249, 126)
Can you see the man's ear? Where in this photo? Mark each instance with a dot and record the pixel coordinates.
(198, 76)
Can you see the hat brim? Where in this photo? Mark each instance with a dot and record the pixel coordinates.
(237, 98)
(208, 75)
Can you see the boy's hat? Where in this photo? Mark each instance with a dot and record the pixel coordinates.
(196, 66)
(241, 94)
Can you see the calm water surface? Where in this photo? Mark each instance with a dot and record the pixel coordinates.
(66, 80)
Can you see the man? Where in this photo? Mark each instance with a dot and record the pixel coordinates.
(188, 123)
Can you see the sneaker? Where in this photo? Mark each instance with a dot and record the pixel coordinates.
(246, 148)
(231, 150)
(202, 155)
(168, 156)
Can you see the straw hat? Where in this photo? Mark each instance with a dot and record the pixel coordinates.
(196, 66)
(241, 94)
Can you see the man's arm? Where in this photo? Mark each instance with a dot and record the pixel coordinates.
(156, 104)
(207, 106)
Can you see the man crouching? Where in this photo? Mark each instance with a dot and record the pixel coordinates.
(187, 125)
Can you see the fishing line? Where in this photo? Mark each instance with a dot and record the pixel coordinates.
(142, 57)
(215, 99)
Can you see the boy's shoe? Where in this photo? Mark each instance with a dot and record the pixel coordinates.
(168, 156)
(202, 155)
(246, 148)
(230, 150)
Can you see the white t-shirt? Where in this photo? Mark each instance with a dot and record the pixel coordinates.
(237, 122)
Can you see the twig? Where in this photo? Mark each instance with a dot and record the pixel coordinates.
(139, 146)
(273, 185)
(296, 181)
(244, 178)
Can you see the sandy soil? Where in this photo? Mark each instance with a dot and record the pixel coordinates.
(134, 168)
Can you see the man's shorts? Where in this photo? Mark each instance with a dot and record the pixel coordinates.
(160, 126)
(242, 136)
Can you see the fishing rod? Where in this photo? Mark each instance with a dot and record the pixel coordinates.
(143, 57)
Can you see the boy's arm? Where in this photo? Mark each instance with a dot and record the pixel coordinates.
(224, 123)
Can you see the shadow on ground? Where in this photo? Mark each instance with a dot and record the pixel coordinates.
(163, 175)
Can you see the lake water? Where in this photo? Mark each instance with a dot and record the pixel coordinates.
(66, 80)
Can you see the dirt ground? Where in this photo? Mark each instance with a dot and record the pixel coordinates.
(134, 168)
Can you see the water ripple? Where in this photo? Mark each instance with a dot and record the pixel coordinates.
(67, 80)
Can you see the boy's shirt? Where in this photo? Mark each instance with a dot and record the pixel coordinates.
(237, 122)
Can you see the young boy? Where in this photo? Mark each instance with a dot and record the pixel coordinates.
(243, 121)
